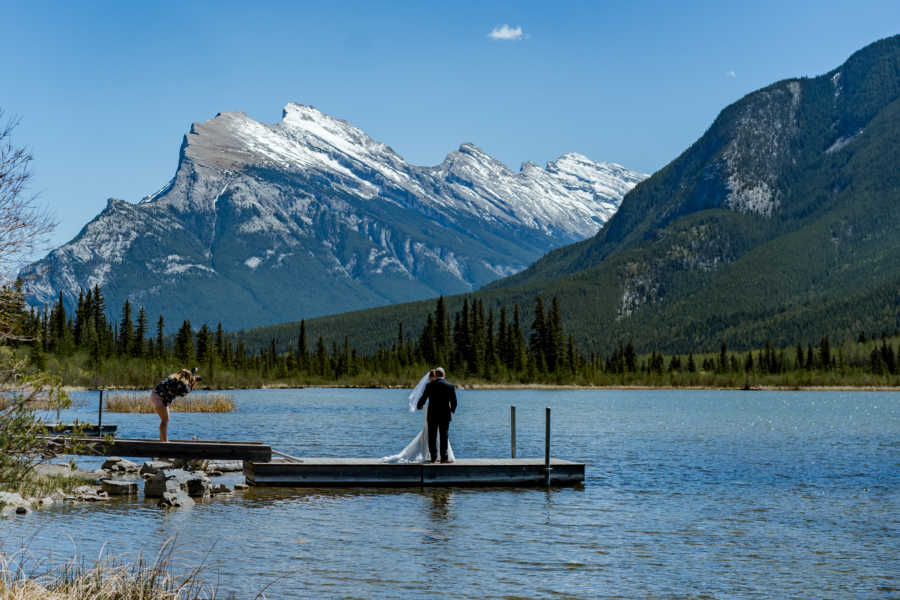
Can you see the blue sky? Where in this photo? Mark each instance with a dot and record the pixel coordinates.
(106, 92)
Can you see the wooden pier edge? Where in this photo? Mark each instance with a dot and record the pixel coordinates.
(189, 449)
(347, 472)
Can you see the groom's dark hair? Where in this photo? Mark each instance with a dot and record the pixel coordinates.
(439, 372)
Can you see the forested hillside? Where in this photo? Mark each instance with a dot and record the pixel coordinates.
(778, 224)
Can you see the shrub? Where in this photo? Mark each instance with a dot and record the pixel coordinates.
(21, 446)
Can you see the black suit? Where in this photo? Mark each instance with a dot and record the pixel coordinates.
(441, 396)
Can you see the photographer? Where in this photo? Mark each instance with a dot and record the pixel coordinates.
(176, 384)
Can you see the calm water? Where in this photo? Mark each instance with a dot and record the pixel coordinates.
(704, 494)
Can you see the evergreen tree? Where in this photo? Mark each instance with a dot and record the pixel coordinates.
(204, 344)
(99, 309)
(126, 331)
(399, 348)
(15, 314)
(271, 357)
(504, 350)
(240, 355)
(572, 358)
(80, 319)
(428, 342)
(160, 338)
(825, 353)
(89, 338)
(95, 356)
(442, 331)
(887, 357)
(517, 342)
(211, 365)
(630, 358)
(101, 323)
(537, 341)
(490, 349)
(140, 333)
(220, 342)
(875, 361)
(64, 338)
(184, 344)
(457, 355)
(302, 352)
(477, 337)
(321, 358)
(555, 337)
(771, 360)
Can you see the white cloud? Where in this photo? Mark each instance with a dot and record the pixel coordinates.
(731, 74)
(505, 32)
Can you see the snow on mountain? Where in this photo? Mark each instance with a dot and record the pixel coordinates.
(255, 210)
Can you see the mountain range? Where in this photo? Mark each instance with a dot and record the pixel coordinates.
(778, 224)
(269, 223)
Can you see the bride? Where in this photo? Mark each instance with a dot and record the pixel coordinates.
(417, 450)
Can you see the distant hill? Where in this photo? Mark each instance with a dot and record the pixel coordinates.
(310, 216)
(779, 223)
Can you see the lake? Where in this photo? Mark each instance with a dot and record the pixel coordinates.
(687, 493)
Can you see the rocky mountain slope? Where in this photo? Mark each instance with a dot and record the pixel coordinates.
(779, 223)
(310, 216)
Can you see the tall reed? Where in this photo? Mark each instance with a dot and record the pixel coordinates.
(194, 402)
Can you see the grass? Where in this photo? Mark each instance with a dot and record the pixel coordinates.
(22, 579)
(194, 402)
(35, 485)
(39, 403)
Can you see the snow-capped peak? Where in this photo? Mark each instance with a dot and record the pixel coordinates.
(603, 178)
(569, 196)
(342, 141)
(313, 198)
(300, 117)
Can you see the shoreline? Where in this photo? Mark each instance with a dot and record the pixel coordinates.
(539, 387)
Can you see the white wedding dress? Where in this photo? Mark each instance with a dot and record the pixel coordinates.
(417, 450)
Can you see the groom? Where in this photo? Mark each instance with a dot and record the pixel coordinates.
(442, 395)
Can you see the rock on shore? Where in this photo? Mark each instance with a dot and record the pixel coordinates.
(196, 485)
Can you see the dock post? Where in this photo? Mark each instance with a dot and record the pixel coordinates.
(100, 414)
(547, 449)
(512, 431)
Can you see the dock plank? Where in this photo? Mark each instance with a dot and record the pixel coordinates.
(252, 451)
(371, 472)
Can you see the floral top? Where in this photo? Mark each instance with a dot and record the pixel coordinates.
(171, 388)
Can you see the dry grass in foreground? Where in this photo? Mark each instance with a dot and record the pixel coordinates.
(194, 402)
(108, 578)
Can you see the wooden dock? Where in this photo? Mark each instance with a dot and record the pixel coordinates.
(190, 449)
(286, 470)
(361, 472)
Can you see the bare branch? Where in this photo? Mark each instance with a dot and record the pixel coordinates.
(24, 226)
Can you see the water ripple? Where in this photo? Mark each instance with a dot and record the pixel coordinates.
(688, 494)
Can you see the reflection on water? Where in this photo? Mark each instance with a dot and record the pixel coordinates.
(440, 501)
(717, 494)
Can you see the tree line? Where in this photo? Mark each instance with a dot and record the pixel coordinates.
(473, 343)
